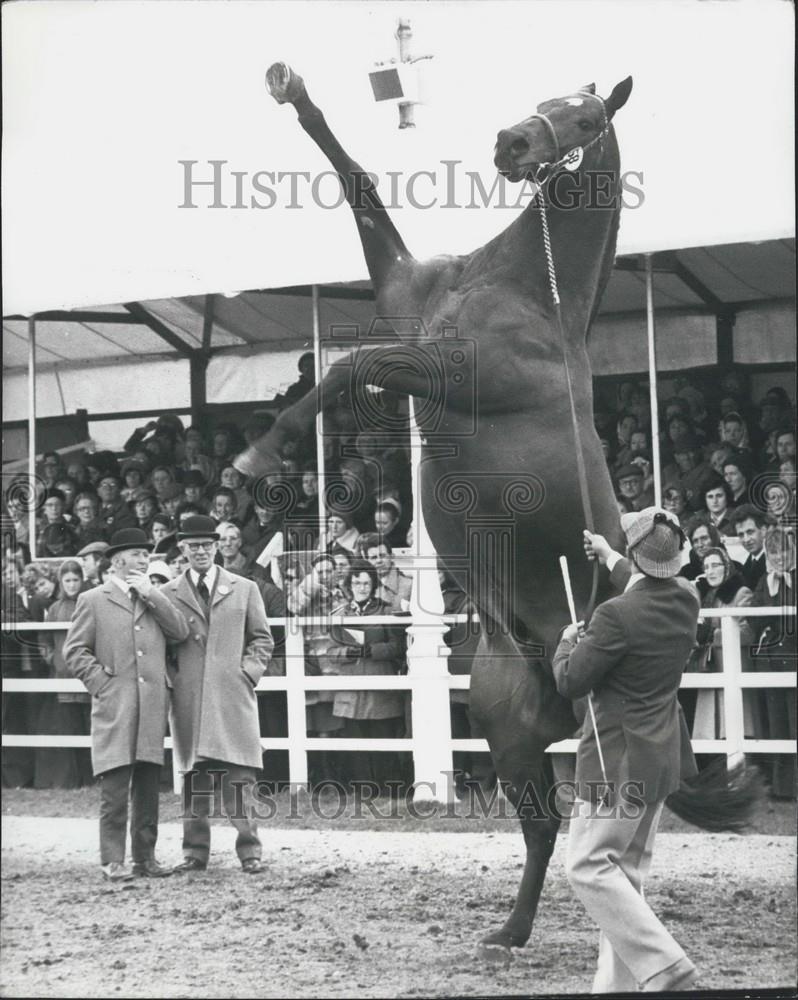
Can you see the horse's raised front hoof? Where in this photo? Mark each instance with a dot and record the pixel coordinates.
(283, 83)
(256, 463)
(494, 954)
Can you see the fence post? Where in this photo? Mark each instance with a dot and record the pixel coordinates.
(732, 689)
(295, 696)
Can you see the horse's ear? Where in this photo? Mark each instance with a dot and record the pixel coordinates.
(618, 97)
(589, 88)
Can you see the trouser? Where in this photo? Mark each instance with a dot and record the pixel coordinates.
(139, 782)
(608, 857)
(201, 791)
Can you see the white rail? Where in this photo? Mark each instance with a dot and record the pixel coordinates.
(732, 680)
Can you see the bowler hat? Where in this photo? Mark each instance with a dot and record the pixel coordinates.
(197, 526)
(94, 548)
(655, 541)
(128, 538)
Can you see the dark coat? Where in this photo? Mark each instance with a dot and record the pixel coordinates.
(214, 705)
(753, 570)
(383, 652)
(632, 657)
(121, 659)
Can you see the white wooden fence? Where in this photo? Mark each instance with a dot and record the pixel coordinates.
(429, 683)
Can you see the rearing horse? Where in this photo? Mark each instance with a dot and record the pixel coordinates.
(476, 340)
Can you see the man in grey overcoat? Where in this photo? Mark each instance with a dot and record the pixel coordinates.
(116, 645)
(214, 717)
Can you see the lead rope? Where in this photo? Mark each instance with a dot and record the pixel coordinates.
(587, 507)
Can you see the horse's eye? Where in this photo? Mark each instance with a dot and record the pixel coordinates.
(585, 124)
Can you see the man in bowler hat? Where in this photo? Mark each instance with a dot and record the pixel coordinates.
(117, 646)
(214, 717)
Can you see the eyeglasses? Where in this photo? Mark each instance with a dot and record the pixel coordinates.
(200, 546)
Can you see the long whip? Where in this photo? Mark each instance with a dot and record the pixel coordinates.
(566, 579)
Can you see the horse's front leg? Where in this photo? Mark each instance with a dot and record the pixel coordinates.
(383, 247)
(396, 367)
(527, 783)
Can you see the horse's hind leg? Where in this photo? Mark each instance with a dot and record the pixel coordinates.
(530, 789)
(383, 247)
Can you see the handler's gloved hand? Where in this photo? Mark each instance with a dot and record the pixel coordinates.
(354, 652)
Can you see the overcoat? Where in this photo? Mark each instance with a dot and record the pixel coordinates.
(214, 706)
(632, 657)
(118, 650)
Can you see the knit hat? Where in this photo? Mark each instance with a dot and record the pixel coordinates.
(655, 541)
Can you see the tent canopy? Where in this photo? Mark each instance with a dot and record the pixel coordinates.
(97, 137)
(718, 279)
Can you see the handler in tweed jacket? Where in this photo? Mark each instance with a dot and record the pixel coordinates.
(631, 658)
(214, 717)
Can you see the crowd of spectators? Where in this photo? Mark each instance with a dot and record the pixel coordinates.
(270, 531)
(727, 471)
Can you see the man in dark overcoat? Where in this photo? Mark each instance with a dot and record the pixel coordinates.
(214, 717)
(116, 645)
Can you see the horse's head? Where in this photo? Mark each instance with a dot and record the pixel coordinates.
(558, 127)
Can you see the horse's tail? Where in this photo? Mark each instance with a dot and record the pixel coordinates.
(718, 798)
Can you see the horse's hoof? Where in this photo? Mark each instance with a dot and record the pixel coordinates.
(494, 954)
(283, 83)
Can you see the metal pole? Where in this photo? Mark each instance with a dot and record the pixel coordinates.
(652, 381)
(320, 476)
(32, 435)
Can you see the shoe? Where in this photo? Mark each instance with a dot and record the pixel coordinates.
(253, 866)
(677, 977)
(190, 865)
(116, 871)
(150, 869)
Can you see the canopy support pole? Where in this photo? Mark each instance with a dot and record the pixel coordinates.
(652, 381)
(32, 499)
(320, 476)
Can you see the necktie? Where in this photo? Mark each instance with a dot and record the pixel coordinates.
(202, 589)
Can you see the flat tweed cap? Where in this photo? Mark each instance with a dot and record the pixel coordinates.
(655, 539)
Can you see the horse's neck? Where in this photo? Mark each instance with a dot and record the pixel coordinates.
(583, 249)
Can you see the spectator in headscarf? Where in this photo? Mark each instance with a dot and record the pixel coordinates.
(725, 589)
(702, 536)
(366, 714)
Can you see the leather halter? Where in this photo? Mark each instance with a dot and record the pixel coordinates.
(561, 160)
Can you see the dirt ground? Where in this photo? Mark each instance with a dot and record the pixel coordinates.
(372, 912)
